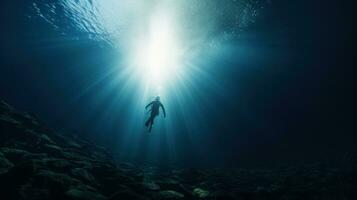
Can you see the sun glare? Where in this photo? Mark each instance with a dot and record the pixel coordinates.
(157, 56)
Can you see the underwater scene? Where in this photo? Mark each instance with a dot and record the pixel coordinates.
(176, 99)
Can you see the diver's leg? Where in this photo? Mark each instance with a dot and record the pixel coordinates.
(150, 127)
(151, 123)
(147, 122)
(153, 119)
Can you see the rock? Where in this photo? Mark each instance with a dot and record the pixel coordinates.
(76, 194)
(168, 184)
(84, 175)
(99, 155)
(15, 155)
(223, 195)
(26, 119)
(23, 171)
(74, 156)
(28, 191)
(9, 119)
(74, 144)
(15, 177)
(59, 164)
(5, 106)
(5, 164)
(191, 176)
(45, 139)
(53, 150)
(39, 163)
(128, 195)
(125, 165)
(170, 194)
(55, 182)
(149, 184)
(200, 193)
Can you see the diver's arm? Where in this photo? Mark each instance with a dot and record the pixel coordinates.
(163, 109)
(148, 105)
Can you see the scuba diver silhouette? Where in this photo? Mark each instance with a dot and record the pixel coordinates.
(155, 105)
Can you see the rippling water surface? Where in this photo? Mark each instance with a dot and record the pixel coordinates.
(116, 21)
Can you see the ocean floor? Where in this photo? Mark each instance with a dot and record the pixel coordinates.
(37, 163)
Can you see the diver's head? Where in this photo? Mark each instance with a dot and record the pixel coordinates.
(157, 98)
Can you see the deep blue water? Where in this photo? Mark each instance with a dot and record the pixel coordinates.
(256, 82)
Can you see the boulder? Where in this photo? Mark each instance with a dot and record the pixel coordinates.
(84, 175)
(77, 194)
(128, 194)
(5, 164)
(150, 184)
(200, 193)
(170, 194)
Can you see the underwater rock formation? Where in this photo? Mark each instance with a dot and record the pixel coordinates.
(38, 163)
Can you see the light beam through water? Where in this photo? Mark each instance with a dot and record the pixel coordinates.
(164, 47)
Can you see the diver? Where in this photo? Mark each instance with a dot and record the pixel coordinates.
(155, 105)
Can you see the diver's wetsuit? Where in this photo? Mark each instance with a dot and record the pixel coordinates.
(155, 106)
